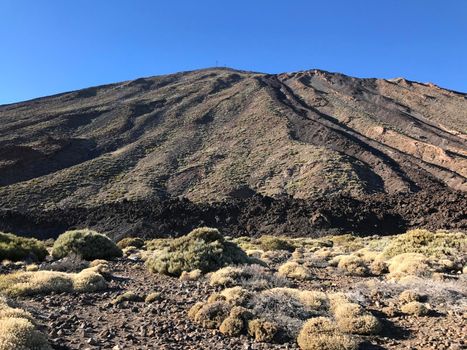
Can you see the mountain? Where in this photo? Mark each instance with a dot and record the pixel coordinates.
(217, 135)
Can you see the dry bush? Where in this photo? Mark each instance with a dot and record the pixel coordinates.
(236, 295)
(88, 244)
(378, 267)
(275, 256)
(314, 301)
(352, 318)
(320, 333)
(46, 282)
(211, 315)
(353, 265)
(130, 242)
(203, 248)
(232, 326)
(294, 270)
(408, 264)
(127, 296)
(263, 330)
(415, 308)
(32, 267)
(152, 297)
(250, 276)
(191, 276)
(18, 330)
(409, 295)
(21, 334)
(17, 248)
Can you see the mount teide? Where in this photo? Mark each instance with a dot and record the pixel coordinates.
(220, 137)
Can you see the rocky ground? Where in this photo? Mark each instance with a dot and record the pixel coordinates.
(91, 321)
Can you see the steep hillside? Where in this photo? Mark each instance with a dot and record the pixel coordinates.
(214, 134)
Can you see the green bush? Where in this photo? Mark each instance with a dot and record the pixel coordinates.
(440, 244)
(130, 242)
(275, 243)
(203, 248)
(17, 248)
(88, 244)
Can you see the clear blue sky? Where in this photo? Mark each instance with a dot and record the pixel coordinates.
(51, 46)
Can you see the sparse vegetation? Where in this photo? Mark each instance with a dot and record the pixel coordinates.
(88, 244)
(17, 248)
(203, 248)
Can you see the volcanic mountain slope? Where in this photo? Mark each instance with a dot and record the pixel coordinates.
(212, 134)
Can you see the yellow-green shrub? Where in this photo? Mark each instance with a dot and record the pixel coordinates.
(438, 244)
(130, 242)
(88, 244)
(45, 282)
(17, 248)
(294, 270)
(320, 333)
(203, 248)
(275, 243)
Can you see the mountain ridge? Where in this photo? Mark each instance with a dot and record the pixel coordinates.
(218, 134)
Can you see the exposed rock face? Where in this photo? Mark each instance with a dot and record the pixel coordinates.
(218, 134)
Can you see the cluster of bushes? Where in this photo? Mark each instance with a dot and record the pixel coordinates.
(17, 248)
(202, 249)
(46, 282)
(18, 330)
(316, 319)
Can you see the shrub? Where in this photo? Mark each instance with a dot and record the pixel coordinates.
(263, 330)
(378, 267)
(212, 315)
(203, 248)
(252, 276)
(236, 295)
(352, 318)
(320, 334)
(18, 330)
(45, 282)
(275, 243)
(17, 248)
(415, 308)
(275, 256)
(232, 326)
(88, 281)
(408, 264)
(439, 244)
(294, 270)
(20, 333)
(409, 295)
(353, 265)
(191, 276)
(130, 242)
(88, 244)
(127, 296)
(152, 297)
(194, 310)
